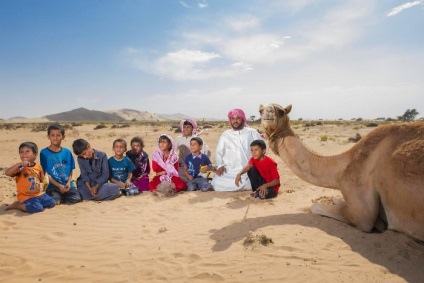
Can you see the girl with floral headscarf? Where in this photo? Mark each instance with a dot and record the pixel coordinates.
(165, 164)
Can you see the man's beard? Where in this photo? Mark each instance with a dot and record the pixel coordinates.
(238, 128)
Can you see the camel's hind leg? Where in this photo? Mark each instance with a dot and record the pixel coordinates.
(360, 210)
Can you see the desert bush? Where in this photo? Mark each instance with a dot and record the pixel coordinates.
(372, 125)
(356, 138)
(101, 126)
(323, 138)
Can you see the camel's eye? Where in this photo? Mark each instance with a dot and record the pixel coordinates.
(281, 112)
(261, 111)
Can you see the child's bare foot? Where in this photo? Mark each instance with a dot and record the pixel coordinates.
(12, 205)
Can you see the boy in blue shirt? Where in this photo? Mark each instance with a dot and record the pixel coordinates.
(196, 165)
(58, 163)
(121, 168)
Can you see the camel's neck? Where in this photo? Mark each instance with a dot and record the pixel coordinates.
(324, 171)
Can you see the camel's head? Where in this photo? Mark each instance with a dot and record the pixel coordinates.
(274, 118)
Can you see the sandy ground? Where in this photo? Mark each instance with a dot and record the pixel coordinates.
(195, 237)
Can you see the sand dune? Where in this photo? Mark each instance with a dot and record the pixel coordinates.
(195, 237)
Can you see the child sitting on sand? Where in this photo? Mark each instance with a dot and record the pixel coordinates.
(165, 164)
(93, 181)
(58, 163)
(262, 172)
(140, 159)
(121, 168)
(195, 165)
(30, 181)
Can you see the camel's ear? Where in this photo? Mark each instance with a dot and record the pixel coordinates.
(288, 109)
(261, 109)
(279, 110)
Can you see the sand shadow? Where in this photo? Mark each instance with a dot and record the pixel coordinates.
(15, 212)
(381, 253)
(236, 200)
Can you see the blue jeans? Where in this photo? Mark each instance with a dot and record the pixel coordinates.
(37, 204)
(198, 183)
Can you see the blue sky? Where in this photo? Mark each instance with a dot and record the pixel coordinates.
(329, 59)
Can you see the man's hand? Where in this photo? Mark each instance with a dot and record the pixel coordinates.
(221, 170)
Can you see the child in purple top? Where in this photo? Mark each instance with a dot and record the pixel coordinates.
(140, 159)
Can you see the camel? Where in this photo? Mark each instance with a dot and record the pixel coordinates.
(381, 178)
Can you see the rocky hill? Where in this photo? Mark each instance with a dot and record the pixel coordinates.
(84, 115)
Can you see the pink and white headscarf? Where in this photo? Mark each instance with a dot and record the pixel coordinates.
(167, 165)
(239, 113)
(193, 123)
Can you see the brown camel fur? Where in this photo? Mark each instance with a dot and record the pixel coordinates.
(381, 177)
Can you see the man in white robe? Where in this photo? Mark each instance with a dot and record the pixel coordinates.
(182, 144)
(233, 153)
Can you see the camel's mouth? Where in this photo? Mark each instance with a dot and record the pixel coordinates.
(267, 121)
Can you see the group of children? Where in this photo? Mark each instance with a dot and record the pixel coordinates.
(105, 178)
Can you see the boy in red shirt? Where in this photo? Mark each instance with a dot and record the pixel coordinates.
(262, 172)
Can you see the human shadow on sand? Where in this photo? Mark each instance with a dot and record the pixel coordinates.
(411, 253)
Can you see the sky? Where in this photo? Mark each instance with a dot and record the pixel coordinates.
(330, 59)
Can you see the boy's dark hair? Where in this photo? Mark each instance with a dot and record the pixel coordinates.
(56, 127)
(137, 139)
(79, 146)
(198, 139)
(188, 123)
(120, 140)
(31, 145)
(260, 143)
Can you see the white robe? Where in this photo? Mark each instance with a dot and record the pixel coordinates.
(182, 146)
(233, 152)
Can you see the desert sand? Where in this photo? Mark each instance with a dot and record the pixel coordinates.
(195, 236)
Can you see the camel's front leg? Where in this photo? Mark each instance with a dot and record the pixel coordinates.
(360, 210)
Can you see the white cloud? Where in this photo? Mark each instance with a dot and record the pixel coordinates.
(184, 64)
(184, 4)
(243, 23)
(398, 9)
(202, 5)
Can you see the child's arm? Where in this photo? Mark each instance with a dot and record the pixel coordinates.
(189, 177)
(15, 169)
(119, 183)
(62, 188)
(128, 182)
(264, 187)
(244, 170)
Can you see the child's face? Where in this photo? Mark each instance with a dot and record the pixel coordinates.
(164, 145)
(257, 152)
(136, 147)
(88, 153)
(195, 147)
(26, 154)
(55, 137)
(187, 130)
(119, 148)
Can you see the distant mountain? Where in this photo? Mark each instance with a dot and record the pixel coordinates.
(176, 116)
(131, 114)
(17, 118)
(84, 115)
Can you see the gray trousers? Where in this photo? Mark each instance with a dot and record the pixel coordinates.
(108, 191)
